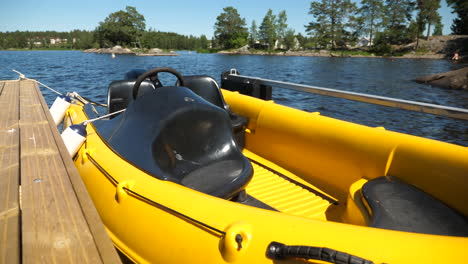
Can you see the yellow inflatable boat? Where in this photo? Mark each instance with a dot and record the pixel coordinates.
(195, 174)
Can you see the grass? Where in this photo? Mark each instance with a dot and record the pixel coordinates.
(353, 53)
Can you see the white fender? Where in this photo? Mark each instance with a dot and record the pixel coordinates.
(59, 108)
(73, 137)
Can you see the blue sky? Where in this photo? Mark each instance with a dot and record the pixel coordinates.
(188, 17)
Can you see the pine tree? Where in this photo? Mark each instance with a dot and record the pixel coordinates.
(289, 39)
(122, 27)
(230, 31)
(427, 13)
(267, 32)
(332, 19)
(371, 14)
(460, 24)
(281, 26)
(253, 34)
(398, 14)
(438, 27)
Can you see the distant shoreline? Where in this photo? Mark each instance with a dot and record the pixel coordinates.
(322, 53)
(336, 55)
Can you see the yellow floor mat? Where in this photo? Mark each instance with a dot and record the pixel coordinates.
(286, 194)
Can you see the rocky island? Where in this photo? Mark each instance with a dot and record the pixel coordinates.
(137, 52)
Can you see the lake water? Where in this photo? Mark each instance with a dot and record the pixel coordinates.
(90, 74)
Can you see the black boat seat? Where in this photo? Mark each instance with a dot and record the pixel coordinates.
(174, 134)
(119, 94)
(396, 205)
(207, 87)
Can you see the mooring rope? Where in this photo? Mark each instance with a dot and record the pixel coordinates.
(23, 77)
(102, 117)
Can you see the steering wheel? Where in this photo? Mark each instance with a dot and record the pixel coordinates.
(154, 72)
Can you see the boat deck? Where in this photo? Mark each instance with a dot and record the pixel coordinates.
(285, 191)
(46, 214)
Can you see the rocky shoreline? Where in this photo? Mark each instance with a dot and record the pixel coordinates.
(127, 51)
(326, 53)
(436, 47)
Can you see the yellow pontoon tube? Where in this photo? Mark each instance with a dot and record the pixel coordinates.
(173, 184)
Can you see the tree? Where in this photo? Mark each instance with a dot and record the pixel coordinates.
(460, 24)
(301, 39)
(438, 27)
(332, 19)
(253, 34)
(267, 32)
(290, 39)
(81, 39)
(281, 26)
(427, 13)
(414, 30)
(398, 14)
(371, 15)
(229, 30)
(122, 27)
(204, 43)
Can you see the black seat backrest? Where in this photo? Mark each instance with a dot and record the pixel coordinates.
(399, 206)
(119, 94)
(206, 87)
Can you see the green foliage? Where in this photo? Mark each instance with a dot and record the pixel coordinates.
(427, 13)
(268, 32)
(332, 21)
(460, 24)
(122, 28)
(381, 46)
(438, 27)
(253, 34)
(371, 17)
(83, 39)
(280, 25)
(301, 39)
(169, 40)
(355, 53)
(398, 14)
(413, 31)
(289, 39)
(230, 31)
(76, 39)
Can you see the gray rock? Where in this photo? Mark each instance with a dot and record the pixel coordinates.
(155, 51)
(457, 79)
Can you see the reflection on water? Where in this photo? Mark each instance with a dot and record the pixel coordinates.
(90, 74)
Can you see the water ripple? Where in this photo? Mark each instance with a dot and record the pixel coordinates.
(90, 75)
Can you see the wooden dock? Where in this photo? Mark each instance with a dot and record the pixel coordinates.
(46, 214)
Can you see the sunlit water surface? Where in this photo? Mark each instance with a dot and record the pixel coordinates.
(90, 74)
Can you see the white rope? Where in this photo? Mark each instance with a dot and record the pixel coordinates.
(102, 117)
(23, 77)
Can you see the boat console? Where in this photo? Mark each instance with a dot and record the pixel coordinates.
(174, 134)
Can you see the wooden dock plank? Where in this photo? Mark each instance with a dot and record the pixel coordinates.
(61, 235)
(51, 219)
(103, 242)
(9, 173)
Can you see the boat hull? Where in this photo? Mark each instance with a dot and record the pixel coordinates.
(155, 221)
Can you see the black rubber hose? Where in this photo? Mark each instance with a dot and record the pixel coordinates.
(279, 251)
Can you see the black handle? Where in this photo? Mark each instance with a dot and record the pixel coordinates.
(280, 251)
